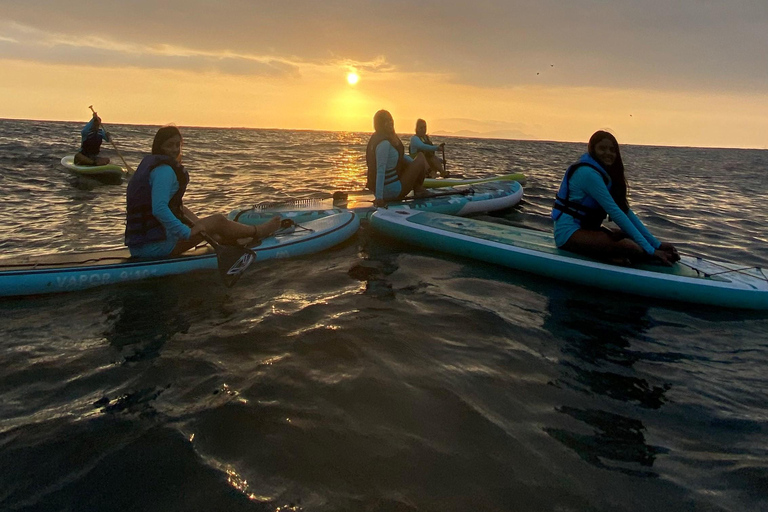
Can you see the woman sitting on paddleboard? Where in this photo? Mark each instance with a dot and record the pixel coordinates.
(157, 223)
(593, 187)
(92, 134)
(421, 143)
(391, 173)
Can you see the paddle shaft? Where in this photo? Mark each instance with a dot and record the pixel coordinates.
(445, 164)
(469, 191)
(127, 167)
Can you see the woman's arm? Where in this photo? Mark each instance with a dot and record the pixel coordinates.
(592, 184)
(418, 145)
(642, 229)
(88, 128)
(164, 186)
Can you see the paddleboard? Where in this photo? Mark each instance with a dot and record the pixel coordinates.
(455, 182)
(692, 280)
(476, 199)
(35, 275)
(109, 171)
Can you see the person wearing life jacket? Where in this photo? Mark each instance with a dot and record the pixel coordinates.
(391, 173)
(595, 187)
(421, 143)
(92, 135)
(157, 222)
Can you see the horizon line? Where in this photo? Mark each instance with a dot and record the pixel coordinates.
(445, 134)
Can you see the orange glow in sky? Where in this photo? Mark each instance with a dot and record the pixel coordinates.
(269, 66)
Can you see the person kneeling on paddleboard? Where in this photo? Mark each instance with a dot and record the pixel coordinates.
(593, 188)
(92, 135)
(157, 223)
(421, 143)
(392, 174)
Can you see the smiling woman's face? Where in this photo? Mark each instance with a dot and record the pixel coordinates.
(172, 147)
(605, 151)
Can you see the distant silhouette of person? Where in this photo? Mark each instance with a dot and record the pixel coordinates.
(592, 188)
(92, 135)
(391, 173)
(421, 143)
(157, 222)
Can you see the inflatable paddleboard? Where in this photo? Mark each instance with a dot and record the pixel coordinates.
(35, 275)
(455, 182)
(109, 171)
(693, 280)
(476, 199)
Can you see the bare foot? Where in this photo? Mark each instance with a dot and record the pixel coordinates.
(261, 231)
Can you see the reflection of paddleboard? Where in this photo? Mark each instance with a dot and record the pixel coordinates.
(692, 280)
(109, 171)
(453, 182)
(485, 197)
(35, 275)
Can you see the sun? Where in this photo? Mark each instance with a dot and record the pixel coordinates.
(352, 78)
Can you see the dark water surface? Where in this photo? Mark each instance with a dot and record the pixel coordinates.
(377, 377)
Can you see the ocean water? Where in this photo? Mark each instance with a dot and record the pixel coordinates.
(374, 376)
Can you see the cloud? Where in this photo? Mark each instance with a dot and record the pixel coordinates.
(655, 44)
(20, 42)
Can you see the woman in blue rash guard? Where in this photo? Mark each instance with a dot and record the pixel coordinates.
(592, 188)
(421, 143)
(92, 135)
(157, 223)
(391, 173)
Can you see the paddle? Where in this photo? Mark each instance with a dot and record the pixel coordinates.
(445, 164)
(464, 192)
(232, 259)
(127, 167)
(339, 197)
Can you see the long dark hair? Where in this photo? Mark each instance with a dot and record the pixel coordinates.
(379, 122)
(162, 135)
(619, 187)
(383, 132)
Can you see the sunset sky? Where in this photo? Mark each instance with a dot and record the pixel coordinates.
(684, 72)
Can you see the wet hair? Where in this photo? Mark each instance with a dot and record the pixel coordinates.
(619, 187)
(379, 120)
(420, 121)
(162, 135)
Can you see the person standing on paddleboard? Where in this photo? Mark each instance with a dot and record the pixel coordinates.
(391, 173)
(595, 187)
(92, 135)
(157, 223)
(421, 143)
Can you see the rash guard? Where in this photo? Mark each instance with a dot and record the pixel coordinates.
(387, 183)
(586, 181)
(418, 145)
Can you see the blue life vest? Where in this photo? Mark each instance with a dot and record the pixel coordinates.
(141, 227)
(587, 211)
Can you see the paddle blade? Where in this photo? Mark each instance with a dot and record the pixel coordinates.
(233, 260)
